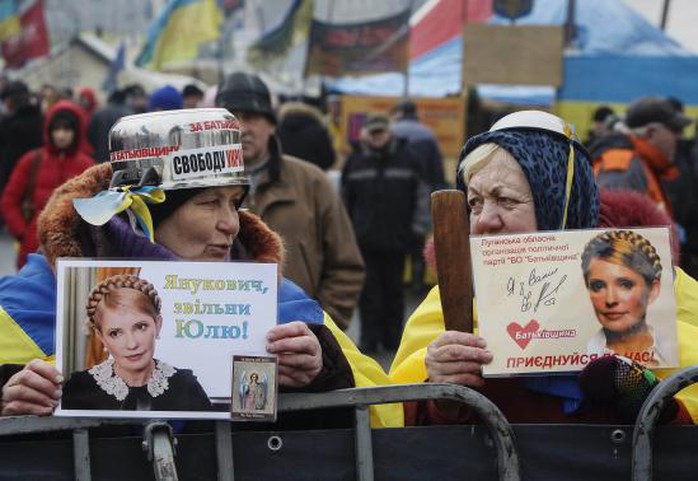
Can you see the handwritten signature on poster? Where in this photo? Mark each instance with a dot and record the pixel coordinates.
(537, 290)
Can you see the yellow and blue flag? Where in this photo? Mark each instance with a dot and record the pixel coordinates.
(9, 19)
(99, 209)
(179, 31)
(293, 29)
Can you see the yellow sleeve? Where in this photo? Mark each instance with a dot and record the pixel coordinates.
(367, 372)
(16, 347)
(424, 325)
(686, 290)
(427, 323)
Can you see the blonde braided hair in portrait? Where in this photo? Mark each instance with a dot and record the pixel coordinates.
(122, 290)
(626, 248)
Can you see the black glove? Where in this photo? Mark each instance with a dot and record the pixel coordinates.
(624, 385)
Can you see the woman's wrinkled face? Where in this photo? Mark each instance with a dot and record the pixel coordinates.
(129, 336)
(205, 226)
(620, 295)
(499, 198)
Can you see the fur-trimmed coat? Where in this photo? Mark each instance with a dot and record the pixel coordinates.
(28, 300)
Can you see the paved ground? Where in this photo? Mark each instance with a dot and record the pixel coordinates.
(7, 266)
(8, 254)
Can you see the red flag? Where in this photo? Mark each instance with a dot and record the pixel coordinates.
(31, 42)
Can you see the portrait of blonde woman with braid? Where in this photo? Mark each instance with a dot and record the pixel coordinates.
(622, 272)
(124, 313)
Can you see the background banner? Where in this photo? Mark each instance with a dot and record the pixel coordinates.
(337, 50)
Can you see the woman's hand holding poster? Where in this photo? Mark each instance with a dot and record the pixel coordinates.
(554, 301)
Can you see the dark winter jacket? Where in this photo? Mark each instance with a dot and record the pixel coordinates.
(423, 142)
(683, 194)
(98, 129)
(385, 196)
(19, 133)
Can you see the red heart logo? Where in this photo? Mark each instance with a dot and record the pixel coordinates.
(523, 335)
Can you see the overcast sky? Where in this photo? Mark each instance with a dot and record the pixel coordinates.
(681, 22)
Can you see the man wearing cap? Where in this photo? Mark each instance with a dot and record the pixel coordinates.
(643, 157)
(387, 201)
(22, 129)
(295, 199)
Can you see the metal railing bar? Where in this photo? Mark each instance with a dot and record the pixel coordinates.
(642, 460)
(491, 416)
(224, 451)
(363, 444)
(81, 454)
(489, 413)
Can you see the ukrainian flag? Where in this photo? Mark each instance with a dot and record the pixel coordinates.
(177, 33)
(10, 25)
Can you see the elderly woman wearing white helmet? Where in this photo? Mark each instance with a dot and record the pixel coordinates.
(152, 202)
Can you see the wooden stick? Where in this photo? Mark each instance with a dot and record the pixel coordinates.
(452, 250)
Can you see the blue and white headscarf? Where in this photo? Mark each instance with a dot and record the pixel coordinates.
(544, 156)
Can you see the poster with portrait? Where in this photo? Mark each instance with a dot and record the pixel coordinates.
(554, 301)
(155, 339)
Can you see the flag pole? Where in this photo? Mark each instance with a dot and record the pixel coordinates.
(406, 73)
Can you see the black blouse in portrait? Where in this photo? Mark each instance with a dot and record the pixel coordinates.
(169, 389)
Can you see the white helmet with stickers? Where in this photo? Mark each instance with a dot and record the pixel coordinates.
(177, 149)
(164, 151)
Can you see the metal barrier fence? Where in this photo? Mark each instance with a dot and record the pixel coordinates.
(160, 445)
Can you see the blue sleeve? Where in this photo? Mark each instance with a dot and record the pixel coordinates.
(295, 305)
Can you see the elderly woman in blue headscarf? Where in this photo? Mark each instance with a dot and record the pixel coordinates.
(527, 173)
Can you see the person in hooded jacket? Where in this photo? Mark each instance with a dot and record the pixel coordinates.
(40, 171)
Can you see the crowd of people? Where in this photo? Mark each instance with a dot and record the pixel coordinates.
(339, 250)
